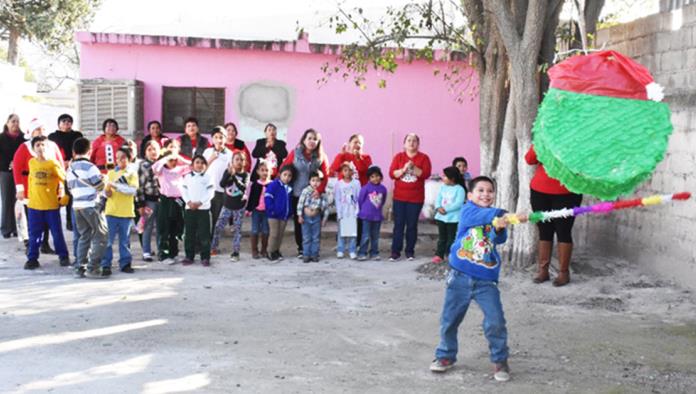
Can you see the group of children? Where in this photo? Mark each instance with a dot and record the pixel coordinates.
(176, 195)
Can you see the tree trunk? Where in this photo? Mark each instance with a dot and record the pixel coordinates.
(548, 43)
(521, 27)
(592, 10)
(524, 92)
(493, 97)
(13, 47)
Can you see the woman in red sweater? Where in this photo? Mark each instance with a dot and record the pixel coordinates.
(548, 194)
(105, 146)
(409, 170)
(353, 154)
(307, 157)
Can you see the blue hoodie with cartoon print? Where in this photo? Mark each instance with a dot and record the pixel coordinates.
(473, 251)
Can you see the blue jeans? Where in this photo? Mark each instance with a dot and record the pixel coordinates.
(37, 220)
(150, 225)
(343, 241)
(370, 237)
(118, 227)
(259, 222)
(461, 289)
(311, 233)
(405, 217)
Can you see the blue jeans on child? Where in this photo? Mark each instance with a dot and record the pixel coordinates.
(118, 227)
(150, 224)
(311, 233)
(343, 241)
(405, 217)
(37, 220)
(259, 222)
(461, 290)
(370, 237)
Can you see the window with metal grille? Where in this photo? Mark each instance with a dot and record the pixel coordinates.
(205, 104)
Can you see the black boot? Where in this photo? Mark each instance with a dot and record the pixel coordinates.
(46, 248)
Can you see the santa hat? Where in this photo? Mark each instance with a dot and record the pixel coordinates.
(33, 125)
(601, 129)
(606, 73)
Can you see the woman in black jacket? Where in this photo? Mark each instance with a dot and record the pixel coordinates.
(10, 140)
(270, 149)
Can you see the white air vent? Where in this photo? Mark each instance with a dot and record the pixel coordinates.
(100, 99)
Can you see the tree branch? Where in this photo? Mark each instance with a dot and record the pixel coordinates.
(505, 23)
(534, 26)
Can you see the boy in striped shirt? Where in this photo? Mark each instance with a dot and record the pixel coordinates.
(84, 182)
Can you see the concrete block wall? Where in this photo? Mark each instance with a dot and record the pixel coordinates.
(661, 238)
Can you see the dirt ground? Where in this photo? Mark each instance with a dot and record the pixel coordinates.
(332, 327)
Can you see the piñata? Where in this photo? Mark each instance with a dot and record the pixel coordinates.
(601, 129)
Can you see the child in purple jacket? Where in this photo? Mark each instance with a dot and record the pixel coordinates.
(371, 201)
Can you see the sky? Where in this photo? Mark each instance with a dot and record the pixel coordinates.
(251, 20)
(233, 19)
(266, 19)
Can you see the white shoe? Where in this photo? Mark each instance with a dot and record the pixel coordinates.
(501, 372)
(353, 256)
(339, 255)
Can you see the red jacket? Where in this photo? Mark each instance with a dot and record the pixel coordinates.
(541, 182)
(99, 147)
(20, 163)
(324, 169)
(410, 188)
(361, 165)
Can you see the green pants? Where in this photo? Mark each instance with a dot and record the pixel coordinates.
(170, 225)
(446, 233)
(197, 233)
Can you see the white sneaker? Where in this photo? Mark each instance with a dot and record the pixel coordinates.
(147, 257)
(353, 256)
(502, 372)
(339, 255)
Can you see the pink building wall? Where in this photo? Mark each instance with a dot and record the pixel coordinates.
(414, 101)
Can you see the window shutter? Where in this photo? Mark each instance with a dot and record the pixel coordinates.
(100, 99)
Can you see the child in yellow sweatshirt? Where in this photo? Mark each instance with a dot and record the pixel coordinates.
(45, 185)
(120, 211)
